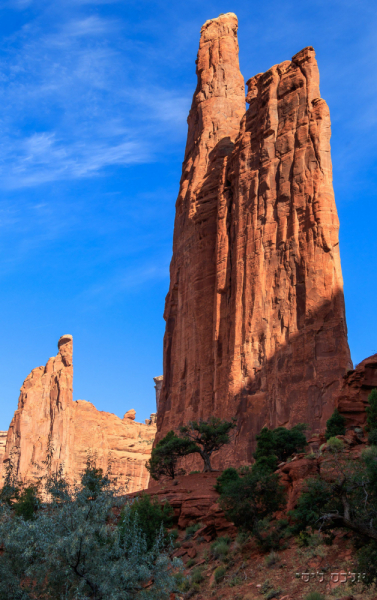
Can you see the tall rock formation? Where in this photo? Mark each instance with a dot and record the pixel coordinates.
(255, 316)
(47, 417)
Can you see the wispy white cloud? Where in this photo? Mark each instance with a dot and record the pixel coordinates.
(74, 104)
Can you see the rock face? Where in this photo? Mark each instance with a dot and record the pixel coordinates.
(3, 441)
(47, 416)
(357, 385)
(255, 316)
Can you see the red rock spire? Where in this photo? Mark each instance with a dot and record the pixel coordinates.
(255, 317)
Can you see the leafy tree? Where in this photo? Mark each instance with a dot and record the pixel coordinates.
(152, 517)
(280, 442)
(208, 437)
(73, 549)
(166, 453)
(251, 498)
(371, 411)
(335, 425)
(27, 503)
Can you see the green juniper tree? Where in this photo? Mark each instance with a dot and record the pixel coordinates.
(165, 455)
(208, 437)
(335, 425)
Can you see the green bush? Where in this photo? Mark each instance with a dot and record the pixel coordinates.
(315, 496)
(280, 442)
(367, 562)
(197, 575)
(27, 503)
(192, 529)
(219, 574)
(335, 445)
(371, 410)
(273, 594)
(271, 559)
(314, 596)
(252, 498)
(220, 548)
(372, 437)
(335, 425)
(152, 517)
(226, 476)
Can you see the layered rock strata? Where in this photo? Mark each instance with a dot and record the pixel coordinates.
(47, 417)
(255, 316)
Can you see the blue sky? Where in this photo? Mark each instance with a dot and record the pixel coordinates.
(94, 98)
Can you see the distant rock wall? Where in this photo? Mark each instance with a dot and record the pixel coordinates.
(47, 415)
(255, 315)
(3, 441)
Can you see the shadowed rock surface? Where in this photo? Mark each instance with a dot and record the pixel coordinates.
(357, 385)
(47, 415)
(255, 315)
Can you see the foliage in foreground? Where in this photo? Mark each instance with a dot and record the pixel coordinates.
(73, 549)
(153, 518)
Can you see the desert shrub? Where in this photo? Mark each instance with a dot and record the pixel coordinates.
(335, 425)
(192, 529)
(190, 563)
(372, 437)
(367, 562)
(271, 559)
(251, 498)
(273, 594)
(153, 518)
(27, 503)
(280, 442)
(335, 445)
(72, 548)
(220, 548)
(219, 574)
(371, 411)
(226, 476)
(197, 575)
(314, 596)
(315, 496)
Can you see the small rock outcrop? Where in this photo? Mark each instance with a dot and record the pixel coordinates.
(47, 417)
(255, 314)
(357, 385)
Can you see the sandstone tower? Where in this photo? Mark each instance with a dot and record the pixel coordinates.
(48, 418)
(255, 316)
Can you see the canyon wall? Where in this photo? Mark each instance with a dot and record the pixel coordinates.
(255, 315)
(47, 417)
